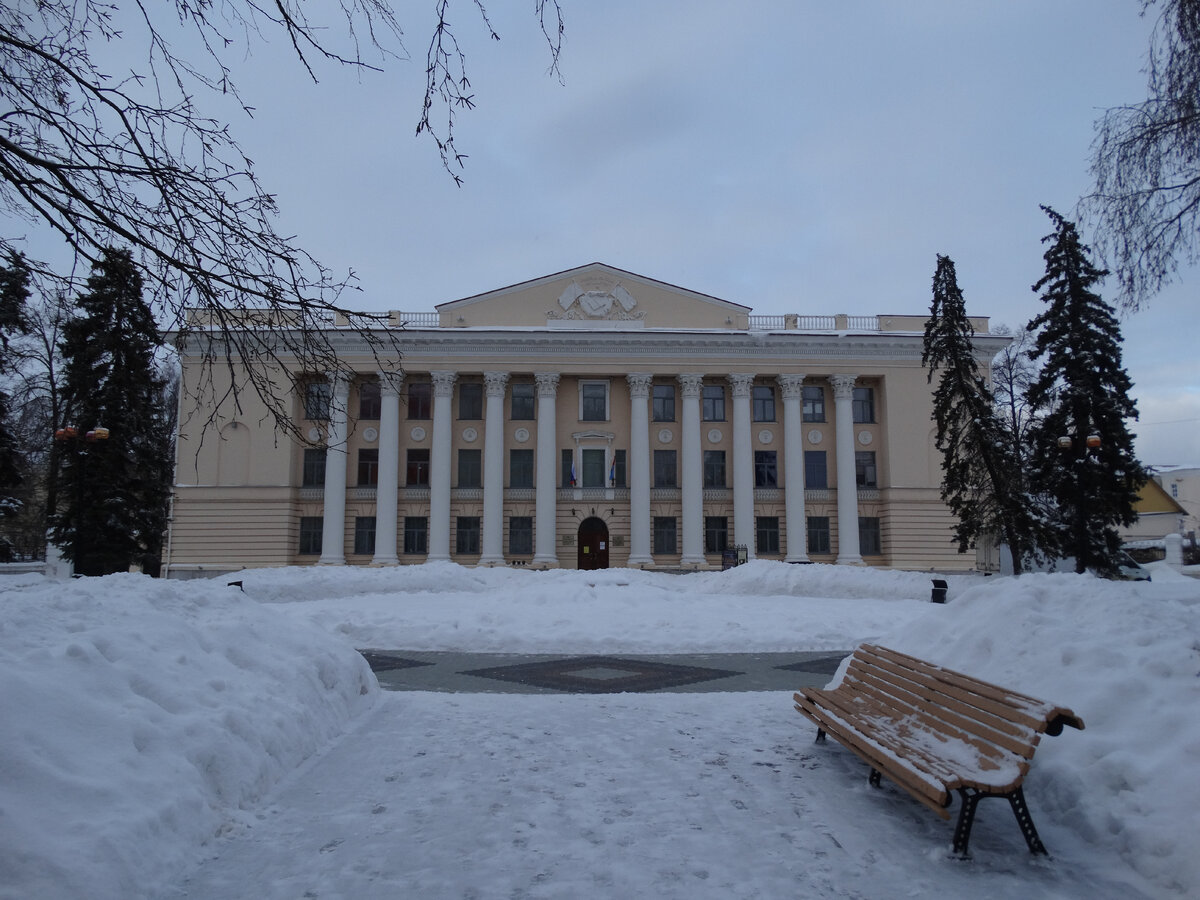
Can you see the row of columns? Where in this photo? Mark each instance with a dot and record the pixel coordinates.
(545, 488)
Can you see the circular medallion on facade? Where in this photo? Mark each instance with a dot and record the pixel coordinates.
(418, 433)
(314, 434)
(665, 435)
(864, 437)
(469, 435)
(814, 436)
(522, 435)
(765, 437)
(370, 435)
(714, 435)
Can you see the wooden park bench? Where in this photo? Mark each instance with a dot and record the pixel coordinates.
(934, 731)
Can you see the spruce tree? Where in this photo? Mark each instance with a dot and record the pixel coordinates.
(1085, 393)
(981, 481)
(112, 503)
(14, 294)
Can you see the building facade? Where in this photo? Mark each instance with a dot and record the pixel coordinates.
(587, 419)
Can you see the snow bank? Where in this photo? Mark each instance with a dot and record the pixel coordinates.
(141, 716)
(759, 607)
(1123, 656)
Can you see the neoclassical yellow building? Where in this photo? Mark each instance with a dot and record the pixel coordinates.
(590, 418)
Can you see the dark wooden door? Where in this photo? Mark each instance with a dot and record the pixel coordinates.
(593, 544)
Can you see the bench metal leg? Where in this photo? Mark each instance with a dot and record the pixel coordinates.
(966, 818)
(874, 778)
(820, 736)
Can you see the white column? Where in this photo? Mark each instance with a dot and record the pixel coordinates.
(546, 503)
(847, 483)
(792, 388)
(743, 463)
(333, 528)
(439, 467)
(388, 490)
(639, 469)
(492, 547)
(692, 472)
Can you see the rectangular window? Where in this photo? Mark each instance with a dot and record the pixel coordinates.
(368, 466)
(593, 401)
(869, 542)
(416, 531)
(664, 469)
(713, 409)
(864, 404)
(467, 535)
(664, 403)
(818, 534)
(311, 529)
(767, 534)
(470, 400)
(569, 476)
(664, 534)
(364, 534)
(814, 403)
(594, 471)
(864, 469)
(616, 472)
(314, 467)
(470, 468)
(766, 475)
(714, 468)
(522, 401)
(764, 403)
(418, 467)
(815, 476)
(369, 403)
(420, 399)
(520, 468)
(716, 534)
(317, 398)
(520, 535)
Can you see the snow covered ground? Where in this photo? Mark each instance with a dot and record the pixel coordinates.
(187, 739)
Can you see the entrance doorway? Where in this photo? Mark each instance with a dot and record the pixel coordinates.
(593, 544)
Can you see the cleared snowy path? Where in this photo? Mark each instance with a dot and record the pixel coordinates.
(717, 795)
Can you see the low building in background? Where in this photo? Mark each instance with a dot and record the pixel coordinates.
(590, 418)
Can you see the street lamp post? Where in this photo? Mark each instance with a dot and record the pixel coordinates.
(80, 444)
(1086, 451)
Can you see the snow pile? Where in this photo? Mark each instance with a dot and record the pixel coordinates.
(141, 717)
(1125, 657)
(150, 724)
(759, 607)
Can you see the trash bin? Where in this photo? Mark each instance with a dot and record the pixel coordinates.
(939, 591)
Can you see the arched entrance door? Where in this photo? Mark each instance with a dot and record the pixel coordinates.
(592, 542)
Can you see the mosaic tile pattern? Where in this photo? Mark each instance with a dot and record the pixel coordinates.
(601, 675)
(385, 662)
(825, 665)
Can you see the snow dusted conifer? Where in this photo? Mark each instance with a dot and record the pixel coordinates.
(14, 294)
(981, 480)
(113, 493)
(1085, 393)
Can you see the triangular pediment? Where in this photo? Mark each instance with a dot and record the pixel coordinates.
(595, 296)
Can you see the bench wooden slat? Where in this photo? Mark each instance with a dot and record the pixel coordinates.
(986, 705)
(933, 795)
(1040, 713)
(990, 740)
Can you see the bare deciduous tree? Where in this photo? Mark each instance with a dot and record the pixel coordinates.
(1146, 202)
(108, 159)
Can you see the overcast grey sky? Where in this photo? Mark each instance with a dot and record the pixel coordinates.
(798, 156)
